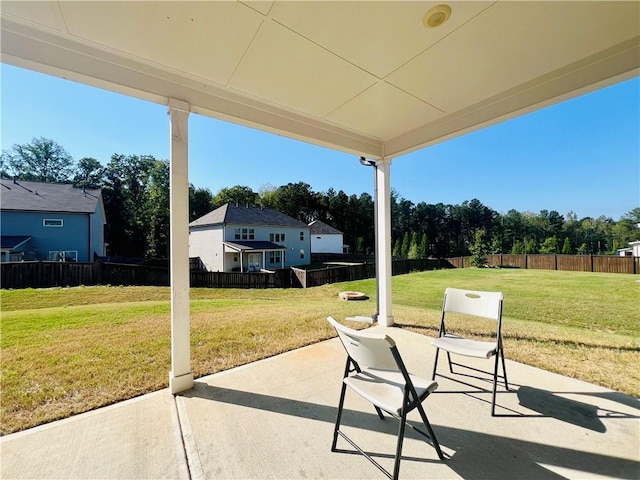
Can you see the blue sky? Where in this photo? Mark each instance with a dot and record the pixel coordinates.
(582, 155)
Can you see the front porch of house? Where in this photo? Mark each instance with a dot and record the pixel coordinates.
(252, 256)
(274, 419)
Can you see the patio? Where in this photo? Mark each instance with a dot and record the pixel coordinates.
(274, 419)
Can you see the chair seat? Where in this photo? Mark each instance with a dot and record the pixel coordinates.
(385, 388)
(466, 347)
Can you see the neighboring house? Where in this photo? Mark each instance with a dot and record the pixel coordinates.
(50, 221)
(248, 239)
(632, 251)
(325, 238)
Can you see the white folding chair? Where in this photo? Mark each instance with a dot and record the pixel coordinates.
(476, 304)
(375, 371)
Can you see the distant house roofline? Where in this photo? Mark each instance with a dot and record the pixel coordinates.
(28, 196)
(229, 214)
(318, 227)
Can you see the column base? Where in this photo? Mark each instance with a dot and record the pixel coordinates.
(385, 321)
(181, 383)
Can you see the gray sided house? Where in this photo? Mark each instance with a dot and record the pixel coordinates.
(50, 221)
(249, 239)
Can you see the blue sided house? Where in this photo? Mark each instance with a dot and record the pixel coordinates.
(249, 239)
(51, 222)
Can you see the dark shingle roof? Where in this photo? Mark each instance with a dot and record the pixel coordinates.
(47, 197)
(12, 241)
(320, 228)
(239, 215)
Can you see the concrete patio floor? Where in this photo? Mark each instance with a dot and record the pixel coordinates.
(274, 419)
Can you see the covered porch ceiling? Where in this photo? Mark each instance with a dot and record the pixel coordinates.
(362, 77)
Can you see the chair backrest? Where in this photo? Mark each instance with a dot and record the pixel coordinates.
(367, 349)
(472, 302)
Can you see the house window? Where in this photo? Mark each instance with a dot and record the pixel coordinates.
(52, 222)
(276, 237)
(63, 256)
(301, 253)
(235, 258)
(244, 234)
(275, 257)
(301, 236)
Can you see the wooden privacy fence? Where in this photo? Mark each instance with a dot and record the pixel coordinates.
(347, 273)
(63, 274)
(575, 263)
(278, 279)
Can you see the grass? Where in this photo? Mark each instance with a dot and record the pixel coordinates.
(69, 350)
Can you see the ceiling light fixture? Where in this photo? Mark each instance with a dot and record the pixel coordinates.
(436, 16)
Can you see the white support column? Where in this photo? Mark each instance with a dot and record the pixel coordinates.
(180, 376)
(383, 245)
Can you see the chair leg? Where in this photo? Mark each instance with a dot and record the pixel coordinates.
(339, 417)
(435, 365)
(401, 428)
(504, 370)
(432, 435)
(450, 362)
(379, 413)
(495, 386)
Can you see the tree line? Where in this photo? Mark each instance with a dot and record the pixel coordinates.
(135, 190)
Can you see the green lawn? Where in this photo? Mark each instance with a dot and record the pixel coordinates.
(69, 350)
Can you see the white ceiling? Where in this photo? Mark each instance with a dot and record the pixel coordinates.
(362, 77)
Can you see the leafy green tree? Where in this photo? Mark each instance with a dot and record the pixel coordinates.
(413, 246)
(298, 200)
(89, 173)
(157, 211)
(479, 250)
(42, 160)
(401, 214)
(496, 246)
(583, 249)
(359, 245)
(423, 248)
(531, 246)
(550, 245)
(518, 248)
(397, 248)
(566, 246)
(406, 244)
(126, 195)
(200, 202)
(238, 195)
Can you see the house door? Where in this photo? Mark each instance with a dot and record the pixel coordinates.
(254, 261)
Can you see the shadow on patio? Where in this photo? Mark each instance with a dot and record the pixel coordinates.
(274, 419)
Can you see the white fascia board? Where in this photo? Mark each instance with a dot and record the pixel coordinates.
(615, 64)
(46, 52)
